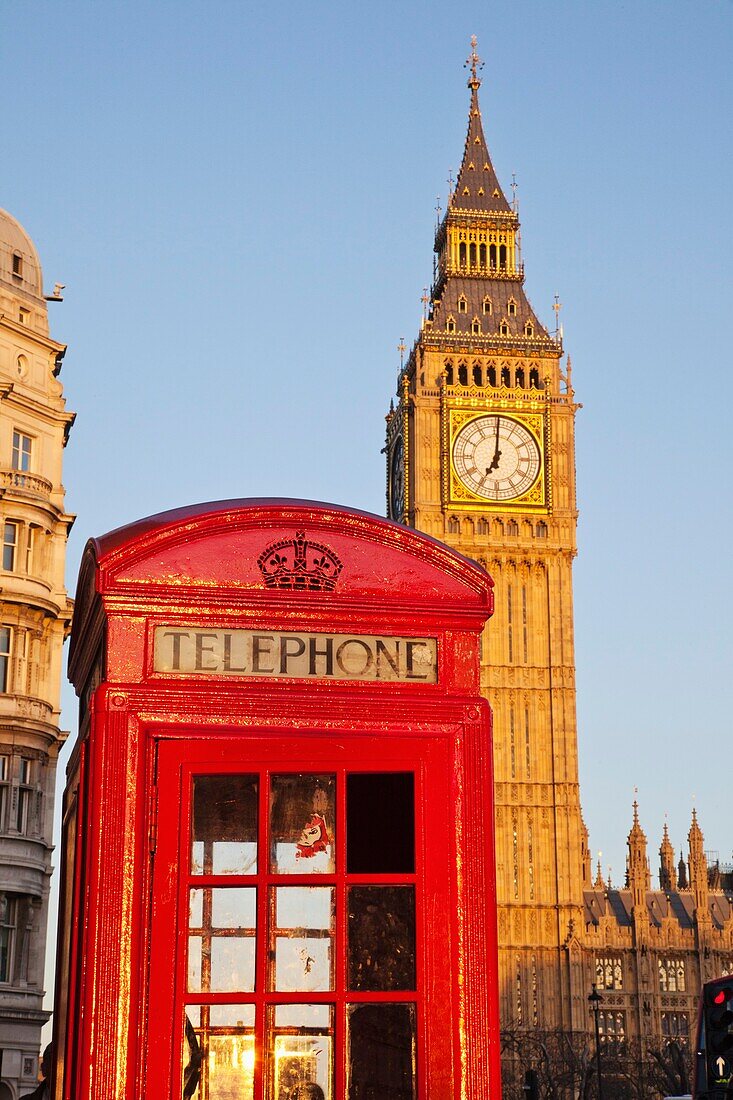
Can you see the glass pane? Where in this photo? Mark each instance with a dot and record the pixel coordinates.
(301, 1045)
(381, 938)
(381, 1052)
(302, 931)
(221, 940)
(219, 1052)
(380, 823)
(302, 820)
(224, 826)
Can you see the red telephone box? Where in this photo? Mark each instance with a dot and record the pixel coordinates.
(277, 857)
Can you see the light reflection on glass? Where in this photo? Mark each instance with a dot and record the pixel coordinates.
(218, 1052)
(302, 1051)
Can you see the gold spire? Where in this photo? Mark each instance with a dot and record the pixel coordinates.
(475, 63)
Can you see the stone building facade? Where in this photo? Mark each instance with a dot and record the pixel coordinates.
(35, 613)
(480, 454)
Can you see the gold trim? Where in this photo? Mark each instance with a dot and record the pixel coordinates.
(537, 497)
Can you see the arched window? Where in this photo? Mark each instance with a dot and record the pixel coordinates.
(448, 373)
(477, 379)
(487, 305)
(491, 375)
(482, 255)
(462, 374)
(462, 304)
(505, 377)
(534, 379)
(502, 256)
(542, 530)
(519, 377)
(476, 327)
(529, 329)
(512, 308)
(454, 526)
(472, 254)
(483, 526)
(462, 254)
(450, 325)
(512, 527)
(492, 255)
(504, 329)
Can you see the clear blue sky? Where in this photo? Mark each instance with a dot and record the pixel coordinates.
(240, 202)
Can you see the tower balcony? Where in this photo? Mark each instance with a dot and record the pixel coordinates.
(23, 483)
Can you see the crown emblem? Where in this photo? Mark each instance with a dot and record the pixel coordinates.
(300, 565)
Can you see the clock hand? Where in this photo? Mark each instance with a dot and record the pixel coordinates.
(497, 453)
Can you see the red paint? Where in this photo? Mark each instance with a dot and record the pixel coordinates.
(146, 735)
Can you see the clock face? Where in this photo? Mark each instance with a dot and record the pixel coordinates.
(496, 457)
(397, 480)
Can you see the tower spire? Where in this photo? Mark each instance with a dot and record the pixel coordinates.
(477, 187)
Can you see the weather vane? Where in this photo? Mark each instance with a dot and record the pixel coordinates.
(475, 63)
(401, 349)
(557, 307)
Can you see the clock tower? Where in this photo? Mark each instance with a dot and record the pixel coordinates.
(480, 454)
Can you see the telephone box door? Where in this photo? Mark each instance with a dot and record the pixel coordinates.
(301, 938)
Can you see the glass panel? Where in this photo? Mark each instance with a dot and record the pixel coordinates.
(221, 940)
(301, 1044)
(218, 1052)
(381, 1052)
(224, 826)
(302, 819)
(302, 931)
(380, 823)
(381, 938)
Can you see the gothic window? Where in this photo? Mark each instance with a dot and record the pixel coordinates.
(472, 254)
(524, 624)
(462, 374)
(515, 855)
(22, 451)
(612, 1027)
(676, 1027)
(450, 325)
(512, 746)
(487, 305)
(542, 530)
(476, 327)
(454, 526)
(462, 304)
(609, 972)
(512, 527)
(512, 308)
(482, 255)
(6, 642)
(529, 329)
(477, 380)
(17, 265)
(483, 527)
(506, 378)
(519, 377)
(672, 977)
(10, 545)
(534, 379)
(502, 256)
(503, 329)
(492, 255)
(462, 254)
(491, 376)
(448, 372)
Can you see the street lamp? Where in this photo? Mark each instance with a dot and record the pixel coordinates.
(595, 999)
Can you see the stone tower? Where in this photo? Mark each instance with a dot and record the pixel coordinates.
(480, 454)
(34, 616)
